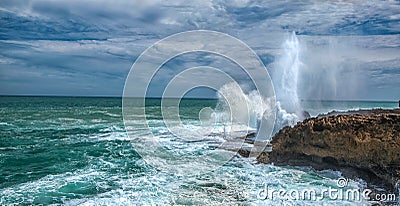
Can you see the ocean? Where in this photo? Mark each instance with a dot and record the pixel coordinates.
(75, 151)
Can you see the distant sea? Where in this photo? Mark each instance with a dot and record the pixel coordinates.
(74, 150)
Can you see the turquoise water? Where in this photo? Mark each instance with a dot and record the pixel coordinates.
(70, 150)
(319, 107)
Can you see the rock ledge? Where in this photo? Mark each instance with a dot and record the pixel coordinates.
(364, 144)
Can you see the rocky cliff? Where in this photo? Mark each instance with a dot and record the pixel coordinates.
(364, 144)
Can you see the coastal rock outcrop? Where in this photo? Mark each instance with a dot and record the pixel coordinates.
(364, 144)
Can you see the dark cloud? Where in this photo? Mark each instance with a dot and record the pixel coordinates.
(87, 47)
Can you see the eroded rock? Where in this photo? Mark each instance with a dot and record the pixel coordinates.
(363, 144)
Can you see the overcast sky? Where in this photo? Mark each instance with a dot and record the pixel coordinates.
(349, 49)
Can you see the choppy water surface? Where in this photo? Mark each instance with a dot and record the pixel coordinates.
(59, 150)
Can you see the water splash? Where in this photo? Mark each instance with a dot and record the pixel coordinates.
(286, 76)
(237, 108)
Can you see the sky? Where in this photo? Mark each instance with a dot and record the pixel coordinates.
(350, 50)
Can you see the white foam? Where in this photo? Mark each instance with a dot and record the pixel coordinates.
(5, 123)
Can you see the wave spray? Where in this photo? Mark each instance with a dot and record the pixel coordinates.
(285, 77)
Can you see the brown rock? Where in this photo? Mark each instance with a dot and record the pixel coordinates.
(360, 144)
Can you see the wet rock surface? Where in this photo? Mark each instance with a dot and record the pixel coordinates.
(363, 144)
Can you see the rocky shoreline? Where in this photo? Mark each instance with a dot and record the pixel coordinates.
(361, 144)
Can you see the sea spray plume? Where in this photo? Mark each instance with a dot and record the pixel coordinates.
(289, 65)
(335, 68)
(231, 105)
(286, 73)
(288, 109)
(242, 108)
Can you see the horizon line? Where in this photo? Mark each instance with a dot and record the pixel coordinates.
(204, 98)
